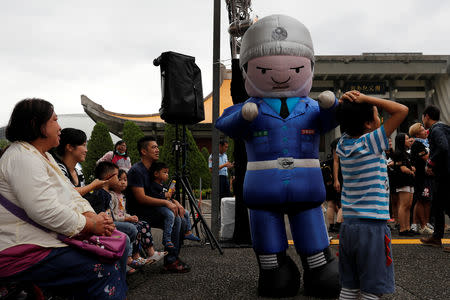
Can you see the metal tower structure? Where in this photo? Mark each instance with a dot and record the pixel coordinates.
(240, 20)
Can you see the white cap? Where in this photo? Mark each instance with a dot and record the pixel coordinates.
(276, 35)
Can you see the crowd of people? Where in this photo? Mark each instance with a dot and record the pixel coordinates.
(40, 175)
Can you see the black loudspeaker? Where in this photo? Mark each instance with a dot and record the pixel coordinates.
(181, 89)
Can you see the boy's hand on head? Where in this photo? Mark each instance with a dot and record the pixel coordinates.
(352, 96)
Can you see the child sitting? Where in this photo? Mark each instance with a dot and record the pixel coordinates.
(108, 172)
(144, 239)
(160, 173)
(365, 258)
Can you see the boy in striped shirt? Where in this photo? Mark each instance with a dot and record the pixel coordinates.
(365, 258)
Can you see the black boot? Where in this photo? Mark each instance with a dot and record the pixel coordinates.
(282, 279)
(322, 281)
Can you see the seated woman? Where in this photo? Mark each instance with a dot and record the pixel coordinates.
(31, 179)
(71, 151)
(118, 157)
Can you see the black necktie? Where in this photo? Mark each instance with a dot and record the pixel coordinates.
(284, 111)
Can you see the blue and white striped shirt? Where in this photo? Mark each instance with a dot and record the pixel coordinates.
(365, 191)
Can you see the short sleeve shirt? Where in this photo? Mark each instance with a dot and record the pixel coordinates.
(157, 190)
(138, 176)
(223, 158)
(365, 191)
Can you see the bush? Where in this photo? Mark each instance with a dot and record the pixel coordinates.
(131, 134)
(196, 164)
(99, 143)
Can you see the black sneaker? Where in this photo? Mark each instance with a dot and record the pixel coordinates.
(332, 228)
(407, 233)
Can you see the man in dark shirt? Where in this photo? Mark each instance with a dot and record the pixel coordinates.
(147, 208)
(438, 165)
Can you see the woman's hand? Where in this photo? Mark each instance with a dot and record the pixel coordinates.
(97, 184)
(99, 224)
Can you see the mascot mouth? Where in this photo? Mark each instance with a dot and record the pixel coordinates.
(280, 87)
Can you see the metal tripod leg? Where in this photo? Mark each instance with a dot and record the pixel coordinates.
(213, 241)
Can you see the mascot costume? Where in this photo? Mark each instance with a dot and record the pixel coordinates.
(281, 128)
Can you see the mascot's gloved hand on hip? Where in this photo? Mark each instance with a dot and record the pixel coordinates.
(281, 127)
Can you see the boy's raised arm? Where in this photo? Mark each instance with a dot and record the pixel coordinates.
(397, 111)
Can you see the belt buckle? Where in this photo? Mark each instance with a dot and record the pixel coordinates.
(285, 163)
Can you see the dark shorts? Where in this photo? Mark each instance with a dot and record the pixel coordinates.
(365, 256)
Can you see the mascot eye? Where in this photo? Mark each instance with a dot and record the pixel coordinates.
(297, 69)
(263, 70)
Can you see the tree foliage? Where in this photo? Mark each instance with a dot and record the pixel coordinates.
(99, 143)
(205, 153)
(131, 134)
(196, 164)
(230, 150)
(4, 143)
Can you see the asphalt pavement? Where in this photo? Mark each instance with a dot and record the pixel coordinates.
(420, 273)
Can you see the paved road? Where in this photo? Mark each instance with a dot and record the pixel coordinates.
(420, 273)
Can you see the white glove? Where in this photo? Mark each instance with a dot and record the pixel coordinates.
(249, 111)
(326, 99)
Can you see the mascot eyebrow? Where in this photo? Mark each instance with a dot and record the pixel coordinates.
(297, 69)
(263, 70)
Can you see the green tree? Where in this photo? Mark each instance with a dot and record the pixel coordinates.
(205, 153)
(230, 150)
(4, 143)
(99, 143)
(131, 134)
(196, 164)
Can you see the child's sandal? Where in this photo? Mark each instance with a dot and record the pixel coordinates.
(169, 245)
(136, 263)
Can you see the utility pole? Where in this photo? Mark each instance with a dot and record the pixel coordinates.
(215, 201)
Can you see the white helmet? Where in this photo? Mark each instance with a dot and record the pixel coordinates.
(276, 35)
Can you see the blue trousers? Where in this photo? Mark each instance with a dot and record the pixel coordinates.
(78, 274)
(269, 232)
(130, 230)
(160, 217)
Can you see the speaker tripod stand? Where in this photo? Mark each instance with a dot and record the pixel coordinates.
(180, 148)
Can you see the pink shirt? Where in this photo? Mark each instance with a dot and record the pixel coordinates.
(18, 258)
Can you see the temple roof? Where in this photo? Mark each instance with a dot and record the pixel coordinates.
(98, 113)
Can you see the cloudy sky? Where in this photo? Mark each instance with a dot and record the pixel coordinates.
(58, 50)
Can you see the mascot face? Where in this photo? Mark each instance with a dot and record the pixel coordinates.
(279, 76)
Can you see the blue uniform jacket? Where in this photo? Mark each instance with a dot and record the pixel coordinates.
(269, 137)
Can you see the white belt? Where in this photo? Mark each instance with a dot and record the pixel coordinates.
(284, 163)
